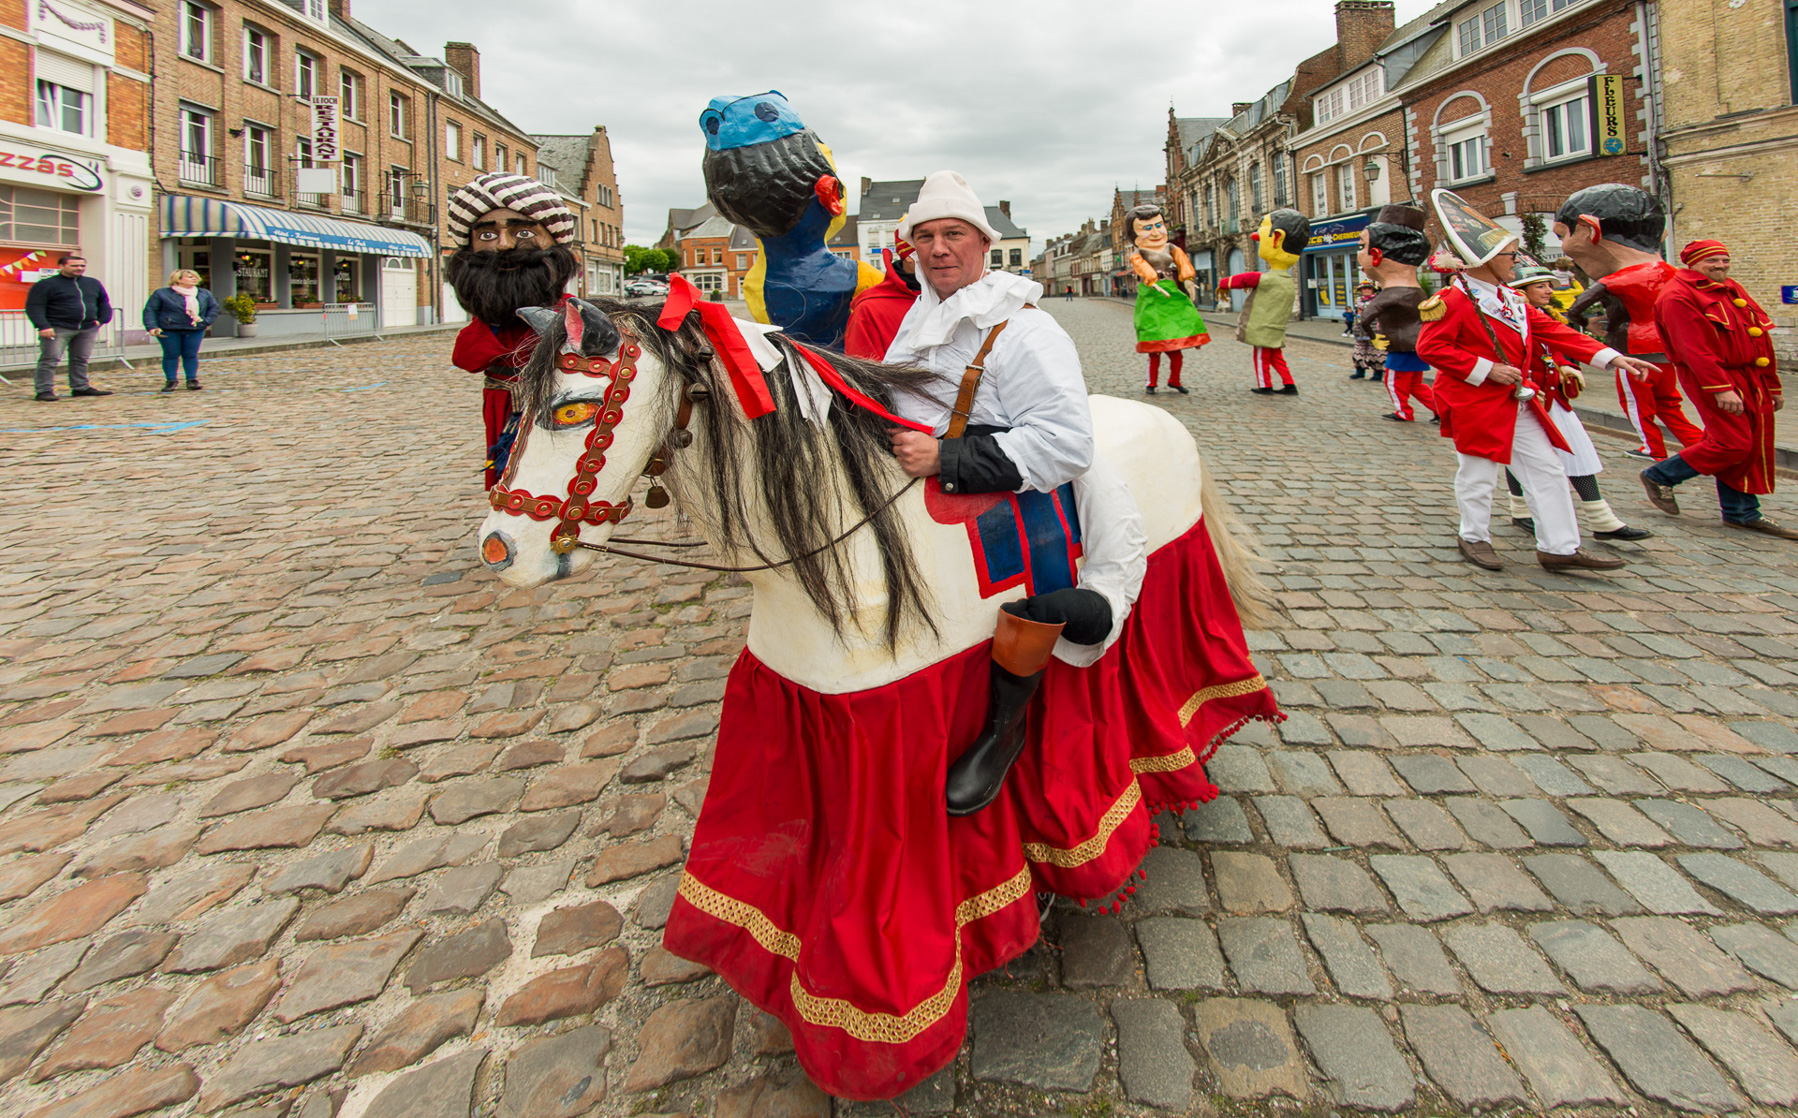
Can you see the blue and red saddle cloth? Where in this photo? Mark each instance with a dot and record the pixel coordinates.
(1027, 539)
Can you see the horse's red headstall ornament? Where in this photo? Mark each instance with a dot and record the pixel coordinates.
(578, 508)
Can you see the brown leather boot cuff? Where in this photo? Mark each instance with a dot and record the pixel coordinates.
(1022, 647)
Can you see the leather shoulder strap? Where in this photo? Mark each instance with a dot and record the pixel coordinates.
(970, 383)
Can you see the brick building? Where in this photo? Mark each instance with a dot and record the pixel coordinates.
(1499, 108)
(1227, 179)
(1729, 91)
(256, 208)
(74, 149)
(580, 167)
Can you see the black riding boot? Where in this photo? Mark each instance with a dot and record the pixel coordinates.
(1020, 654)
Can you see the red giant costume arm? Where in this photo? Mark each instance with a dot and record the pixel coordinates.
(1569, 344)
(1241, 281)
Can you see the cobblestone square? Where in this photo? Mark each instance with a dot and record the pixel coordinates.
(302, 813)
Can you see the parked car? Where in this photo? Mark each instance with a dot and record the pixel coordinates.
(642, 286)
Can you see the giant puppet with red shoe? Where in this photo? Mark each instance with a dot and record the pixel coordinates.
(994, 630)
(1480, 335)
(1613, 232)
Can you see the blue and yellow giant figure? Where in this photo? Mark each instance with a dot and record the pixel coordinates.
(768, 172)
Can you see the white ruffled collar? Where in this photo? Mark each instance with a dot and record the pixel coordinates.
(986, 302)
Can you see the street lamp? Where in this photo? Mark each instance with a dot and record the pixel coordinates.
(1371, 169)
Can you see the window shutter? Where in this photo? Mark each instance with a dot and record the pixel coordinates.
(67, 72)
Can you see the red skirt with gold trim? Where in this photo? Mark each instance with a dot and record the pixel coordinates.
(829, 887)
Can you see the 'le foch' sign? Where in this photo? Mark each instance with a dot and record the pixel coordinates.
(50, 169)
(325, 148)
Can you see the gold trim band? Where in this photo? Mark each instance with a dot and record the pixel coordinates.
(1166, 763)
(1222, 691)
(839, 1013)
(1126, 802)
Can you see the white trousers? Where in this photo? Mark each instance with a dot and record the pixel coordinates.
(1537, 465)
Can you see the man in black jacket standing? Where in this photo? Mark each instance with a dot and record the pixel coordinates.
(68, 310)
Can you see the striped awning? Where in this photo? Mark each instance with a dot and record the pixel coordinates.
(186, 216)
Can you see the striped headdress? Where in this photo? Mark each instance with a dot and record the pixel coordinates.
(502, 190)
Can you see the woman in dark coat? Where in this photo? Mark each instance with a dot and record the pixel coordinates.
(177, 316)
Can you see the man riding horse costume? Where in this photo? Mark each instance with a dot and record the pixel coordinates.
(843, 875)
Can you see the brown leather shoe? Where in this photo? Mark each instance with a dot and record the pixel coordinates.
(1578, 561)
(1480, 554)
(1660, 496)
(1764, 525)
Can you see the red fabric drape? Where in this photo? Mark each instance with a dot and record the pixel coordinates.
(827, 884)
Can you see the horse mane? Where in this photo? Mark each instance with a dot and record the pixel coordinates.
(791, 458)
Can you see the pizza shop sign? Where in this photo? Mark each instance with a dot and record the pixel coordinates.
(48, 168)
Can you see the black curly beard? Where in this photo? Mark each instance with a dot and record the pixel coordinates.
(493, 285)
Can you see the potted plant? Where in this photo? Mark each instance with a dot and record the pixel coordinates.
(243, 309)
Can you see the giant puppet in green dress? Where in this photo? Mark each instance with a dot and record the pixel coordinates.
(1166, 320)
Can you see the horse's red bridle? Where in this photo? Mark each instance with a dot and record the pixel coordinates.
(576, 509)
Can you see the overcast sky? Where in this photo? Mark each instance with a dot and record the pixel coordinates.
(1048, 103)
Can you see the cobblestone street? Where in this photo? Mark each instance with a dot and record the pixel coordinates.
(303, 814)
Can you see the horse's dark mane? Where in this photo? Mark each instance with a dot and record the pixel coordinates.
(790, 457)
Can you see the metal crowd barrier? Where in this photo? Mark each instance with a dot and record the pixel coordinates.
(19, 348)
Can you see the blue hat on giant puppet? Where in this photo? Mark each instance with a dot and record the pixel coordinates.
(734, 122)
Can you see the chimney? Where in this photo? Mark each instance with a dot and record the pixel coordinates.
(1005, 208)
(867, 185)
(341, 9)
(1237, 108)
(465, 60)
(1361, 26)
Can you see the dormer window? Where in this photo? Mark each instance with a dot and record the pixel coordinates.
(317, 11)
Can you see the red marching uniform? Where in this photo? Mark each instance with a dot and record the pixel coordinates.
(1481, 417)
(1657, 398)
(498, 354)
(1720, 341)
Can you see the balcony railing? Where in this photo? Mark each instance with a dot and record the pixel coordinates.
(407, 210)
(263, 182)
(200, 170)
(353, 201)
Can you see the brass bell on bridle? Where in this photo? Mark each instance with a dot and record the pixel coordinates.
(657, 496)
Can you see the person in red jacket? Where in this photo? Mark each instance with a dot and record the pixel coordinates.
(1479, 335)
(513, 235)
(1718, 337)
(875, 314)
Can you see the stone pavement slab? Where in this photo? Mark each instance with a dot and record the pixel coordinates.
(1659, 1062)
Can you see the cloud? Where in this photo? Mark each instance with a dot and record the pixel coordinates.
(1048, 104)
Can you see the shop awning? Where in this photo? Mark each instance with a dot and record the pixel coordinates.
(186, 216)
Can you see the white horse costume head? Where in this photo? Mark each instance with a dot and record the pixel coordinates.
(857, 583)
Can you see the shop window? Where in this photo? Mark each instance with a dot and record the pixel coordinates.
(38, 216)
(62, 108)
(308, 74)
(346, 279)
(255, 273)
(1564, 131)
(195, 33)
(302, 279)
(397, 115)
(258, 173)
(452, 141)
(349, 98)
(255, 56)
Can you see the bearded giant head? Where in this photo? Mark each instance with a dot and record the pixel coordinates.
(513, 235)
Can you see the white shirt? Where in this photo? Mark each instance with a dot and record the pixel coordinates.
(1033, 383)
